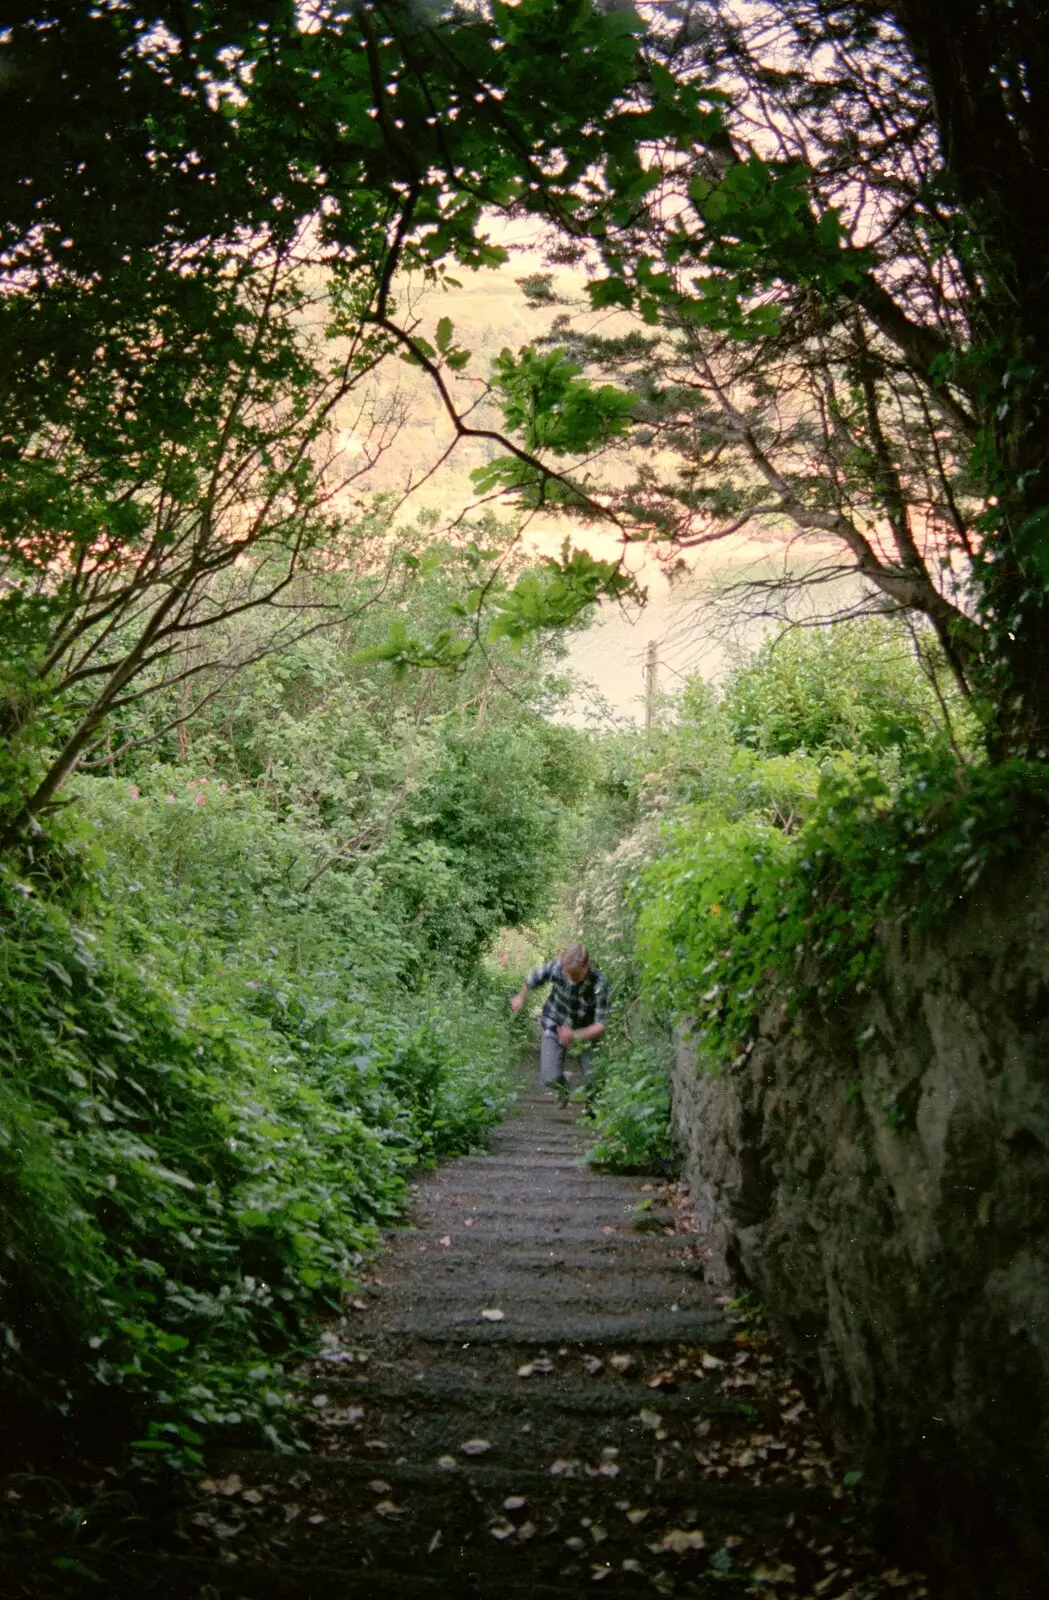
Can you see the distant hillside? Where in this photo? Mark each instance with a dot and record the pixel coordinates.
(489, 312)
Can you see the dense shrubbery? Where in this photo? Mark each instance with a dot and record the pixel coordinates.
(242, 996)
(829, 785)
(631, 1105)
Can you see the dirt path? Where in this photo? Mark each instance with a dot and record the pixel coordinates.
(536, 1395)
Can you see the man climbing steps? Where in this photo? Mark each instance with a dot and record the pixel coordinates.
(575, 1012)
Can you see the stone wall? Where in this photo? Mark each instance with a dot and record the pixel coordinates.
(881, 1179)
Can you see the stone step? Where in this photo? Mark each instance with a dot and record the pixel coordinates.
(377, 1433)
(573, 1255)
(598, 1396)
(541, 1200)
(439, 1274)
(189, 1578)
(513, 1230)
(596, 1330)
(556, 1528)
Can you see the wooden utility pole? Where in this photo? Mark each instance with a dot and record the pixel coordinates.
(651, 682)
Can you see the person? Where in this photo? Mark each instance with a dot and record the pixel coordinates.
(574, 1012)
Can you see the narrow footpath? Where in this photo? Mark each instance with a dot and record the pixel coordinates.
(536, 1395)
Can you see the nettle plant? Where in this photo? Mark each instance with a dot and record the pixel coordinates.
(735, 912)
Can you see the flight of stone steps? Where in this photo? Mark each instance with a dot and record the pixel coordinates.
(536, 1394)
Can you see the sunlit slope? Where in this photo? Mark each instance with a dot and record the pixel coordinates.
(426, 465)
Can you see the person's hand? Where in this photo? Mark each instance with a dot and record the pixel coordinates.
(565, 1035)
(517, 1002)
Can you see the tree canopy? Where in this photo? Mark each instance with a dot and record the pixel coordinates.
(828, 229)
(820, 212)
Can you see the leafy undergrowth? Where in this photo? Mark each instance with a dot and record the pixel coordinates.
(202, 1133)
(630, 1106)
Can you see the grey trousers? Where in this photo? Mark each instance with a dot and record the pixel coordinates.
(552, 1059)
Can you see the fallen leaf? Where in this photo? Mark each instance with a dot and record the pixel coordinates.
(386, 1508)
(629, 1565)
(608, 1469)
(514, 1502)
(526, 1531)
(593, 1365)
(622, 1364)
(231, 1485)
(291, 1511)
(637, 1514)
(564, 1469)
(447, 1463)
(446, 1241)
(493, 1314)
(475, 1447)
(540, 1364)
(650, 1419)
(379, 1486)
(317, 1518)
(252, 1496)
(576, 1544)
(354, 1413)
(435, 1542)
(679, 1540)
(781, 1574)
(711, 1363)
(320, 1401)
(502, 1530)
(598, 1533)
(358, 1305)
(469, 1222)
(663, 1379)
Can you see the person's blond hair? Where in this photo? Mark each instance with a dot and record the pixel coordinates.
(574, 957)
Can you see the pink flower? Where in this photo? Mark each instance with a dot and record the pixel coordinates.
(135, 791)
(200, 798)
(171, 797)
(192, 784)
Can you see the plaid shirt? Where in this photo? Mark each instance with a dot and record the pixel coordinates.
(570, 1005)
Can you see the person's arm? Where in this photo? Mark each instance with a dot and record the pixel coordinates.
(541, 974)
(593, 1030)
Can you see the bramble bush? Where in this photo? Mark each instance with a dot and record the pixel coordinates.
(785, 818)
(242, 998)
(631, 1105)
(735, 911)
(199, 1142)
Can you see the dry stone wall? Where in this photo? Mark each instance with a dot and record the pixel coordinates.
(880, 1177)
